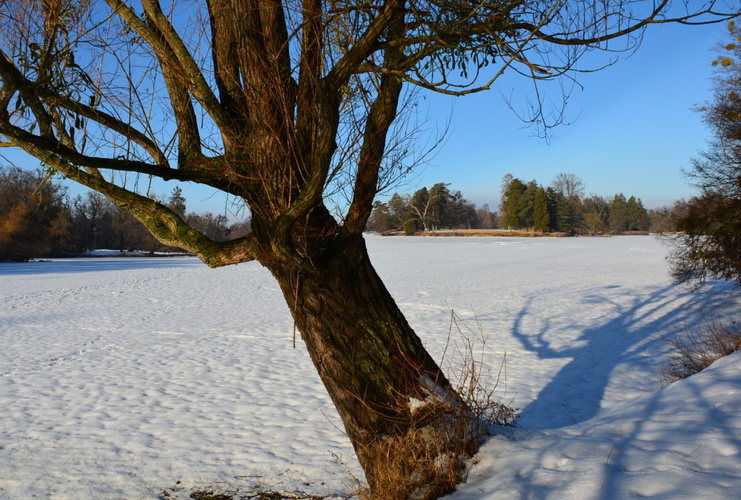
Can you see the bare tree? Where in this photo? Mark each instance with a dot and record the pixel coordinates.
(570, 186)
(286, 105)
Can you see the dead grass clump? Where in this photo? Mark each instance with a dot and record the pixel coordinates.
(697, 348)
(429, 460)
(420, 465)
(434, 457)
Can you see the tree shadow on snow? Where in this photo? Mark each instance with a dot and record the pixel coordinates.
(672, 469)
(575, 393)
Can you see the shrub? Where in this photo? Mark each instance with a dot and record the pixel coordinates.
(697, 348)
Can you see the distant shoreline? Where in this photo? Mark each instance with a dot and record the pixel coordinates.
(505, 233)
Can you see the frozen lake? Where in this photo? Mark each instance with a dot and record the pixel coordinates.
(124, 377)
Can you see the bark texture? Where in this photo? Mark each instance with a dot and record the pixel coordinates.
(409, 429)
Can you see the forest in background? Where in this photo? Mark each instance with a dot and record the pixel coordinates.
(39, 219)
(561, 207)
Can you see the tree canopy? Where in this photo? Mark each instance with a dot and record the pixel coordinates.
(563, 208)
(710, 244)
(219, 93)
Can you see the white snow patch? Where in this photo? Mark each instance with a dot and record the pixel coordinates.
(416, 404)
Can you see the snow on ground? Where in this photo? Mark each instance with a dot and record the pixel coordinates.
(124, 377)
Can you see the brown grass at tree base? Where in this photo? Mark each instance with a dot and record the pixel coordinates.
(420, 465)
(698, 348)
(436, 455)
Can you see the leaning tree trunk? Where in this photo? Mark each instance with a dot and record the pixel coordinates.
(410, 430)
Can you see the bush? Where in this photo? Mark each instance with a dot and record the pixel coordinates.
(696, 349)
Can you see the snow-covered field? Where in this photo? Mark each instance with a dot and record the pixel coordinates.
(126, 378)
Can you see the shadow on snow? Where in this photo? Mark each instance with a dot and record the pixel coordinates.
(575, 393)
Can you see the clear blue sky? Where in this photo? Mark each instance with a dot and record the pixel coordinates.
(633, 128)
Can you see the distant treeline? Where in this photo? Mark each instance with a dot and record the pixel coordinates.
(427, 210)
(38, 219)
(560, 207)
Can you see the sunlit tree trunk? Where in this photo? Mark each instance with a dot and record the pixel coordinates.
(409, 429)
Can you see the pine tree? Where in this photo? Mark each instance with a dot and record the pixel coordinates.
(512, 203)
(541, 217)
(176, 203)
(618, 215)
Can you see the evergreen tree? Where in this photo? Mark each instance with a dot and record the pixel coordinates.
(176, 203)
(618, 215)
(512, 203)
(552, 202)
(527, 205)
(381, 219)
(441, 210)
(541, 217)
(564, 221)
(637, 218)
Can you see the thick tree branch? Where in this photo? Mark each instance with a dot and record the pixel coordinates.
(364, 46)
(171, 50)
(160, 220)
(34, 144)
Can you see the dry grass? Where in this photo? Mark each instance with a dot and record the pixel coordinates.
(423, 464)
(524, 233)
(474, 378)
(433, 458)
(696, 349)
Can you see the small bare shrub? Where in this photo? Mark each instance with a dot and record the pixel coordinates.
(697, 348)
(475, 380)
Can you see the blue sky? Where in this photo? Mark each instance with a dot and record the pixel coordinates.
(632, 129)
